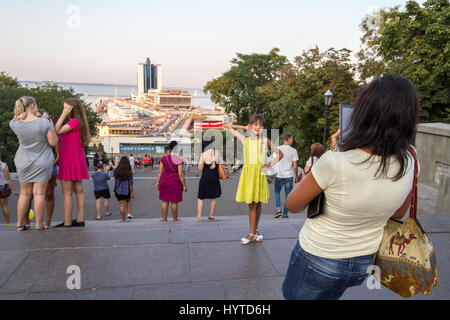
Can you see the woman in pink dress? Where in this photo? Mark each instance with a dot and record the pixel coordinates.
(170, 182)
(72, 162)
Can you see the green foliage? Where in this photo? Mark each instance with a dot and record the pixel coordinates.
(415, 43)
(48, 96)
(290, 96)
(237, 89)
(7, 81)
(297, 96)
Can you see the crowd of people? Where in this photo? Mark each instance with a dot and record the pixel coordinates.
(333, 250)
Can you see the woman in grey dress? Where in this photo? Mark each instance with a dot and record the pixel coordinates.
(34, 158)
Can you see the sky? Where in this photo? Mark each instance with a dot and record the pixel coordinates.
(99, 41)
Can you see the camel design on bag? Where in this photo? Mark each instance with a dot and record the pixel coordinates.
(401, 241)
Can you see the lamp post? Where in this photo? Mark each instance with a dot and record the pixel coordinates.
(328, 95)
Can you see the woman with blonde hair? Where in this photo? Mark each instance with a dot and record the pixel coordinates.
(34, 158)
(72, 164)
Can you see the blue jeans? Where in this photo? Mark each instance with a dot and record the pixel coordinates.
(310, 277)
(279, 183)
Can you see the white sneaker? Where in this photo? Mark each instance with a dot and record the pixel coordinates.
(129, 216)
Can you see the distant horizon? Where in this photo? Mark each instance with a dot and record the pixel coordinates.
(101, 84)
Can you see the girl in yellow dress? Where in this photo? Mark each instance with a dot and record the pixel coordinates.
(253, 188)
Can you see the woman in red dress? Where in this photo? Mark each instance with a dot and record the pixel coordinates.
(170, 182)
(72, 164)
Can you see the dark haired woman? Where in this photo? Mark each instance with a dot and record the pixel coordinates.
(367, 183)
(72, 162)
(209, 185)
(170, 182)
(123, 186)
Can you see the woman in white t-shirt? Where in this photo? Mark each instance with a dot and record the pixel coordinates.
(367, 183)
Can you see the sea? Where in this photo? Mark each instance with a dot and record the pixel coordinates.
(92, 91)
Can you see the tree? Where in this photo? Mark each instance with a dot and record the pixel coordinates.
(7, 81)
(237, 88)
(48, 96)
(297, 97)
(415, 43)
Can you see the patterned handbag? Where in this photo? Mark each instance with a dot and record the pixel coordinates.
(406, 256)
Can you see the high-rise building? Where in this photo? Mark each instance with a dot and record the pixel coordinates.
(159, 81)
(148, 75)
(154, 76)
(141, 78)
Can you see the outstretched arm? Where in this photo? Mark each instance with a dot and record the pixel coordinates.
(232, 128)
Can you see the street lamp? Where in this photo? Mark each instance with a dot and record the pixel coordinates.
(328, 95)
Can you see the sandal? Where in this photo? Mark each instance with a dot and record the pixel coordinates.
(20, 228)
(98, 218)
(211, 218)
(259, 237)
(245, 241)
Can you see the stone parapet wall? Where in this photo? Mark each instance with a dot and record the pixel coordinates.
(433, 148)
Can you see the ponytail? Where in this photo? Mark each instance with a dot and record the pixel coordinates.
(22, 104)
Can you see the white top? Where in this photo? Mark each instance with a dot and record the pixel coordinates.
(212, 155)
(132, 162)
(284, 166)
(357, 205)
(2, 174)
(309, 162)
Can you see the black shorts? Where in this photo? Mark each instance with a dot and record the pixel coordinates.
(121, 197)
(102, 194)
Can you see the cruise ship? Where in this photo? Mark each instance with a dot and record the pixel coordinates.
(118, 112)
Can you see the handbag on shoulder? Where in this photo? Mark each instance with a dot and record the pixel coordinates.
(406, 256)
(221, 170)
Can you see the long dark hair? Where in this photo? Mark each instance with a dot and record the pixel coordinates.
(79, 114)
(123, 170)
(384, 118)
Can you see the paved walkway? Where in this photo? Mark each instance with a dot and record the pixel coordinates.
(147, 259)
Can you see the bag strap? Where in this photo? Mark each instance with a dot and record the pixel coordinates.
(413, 208)
(312, 163)
(168, 161)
